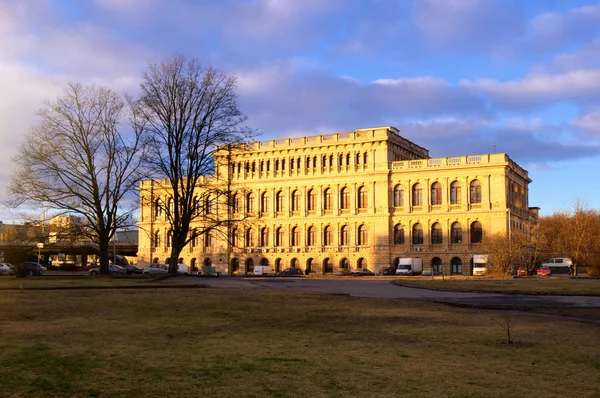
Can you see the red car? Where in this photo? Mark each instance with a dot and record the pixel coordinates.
(522, 272)
(544, 271)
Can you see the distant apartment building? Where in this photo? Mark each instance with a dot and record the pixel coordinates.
(360, 199)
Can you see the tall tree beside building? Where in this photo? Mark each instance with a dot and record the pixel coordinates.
(188, 112)
(78, 161)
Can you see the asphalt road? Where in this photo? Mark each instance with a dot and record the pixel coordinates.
(381, 288)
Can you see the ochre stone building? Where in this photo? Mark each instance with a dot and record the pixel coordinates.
(360, 199)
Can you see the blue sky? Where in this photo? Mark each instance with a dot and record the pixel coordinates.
(458, 77)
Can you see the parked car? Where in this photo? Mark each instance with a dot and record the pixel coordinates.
(132, 269)
(6, 269)
(387, 271)
(183, 269)
(208, 271)
(522, 271)
(427, 272)
(156, 269)
(361, 272)
(30, 268)
(112, 269)
(544, 271)
(290, 272)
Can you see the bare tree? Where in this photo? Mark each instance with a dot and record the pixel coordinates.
(508, 250)
(190, 113)
(78, 162)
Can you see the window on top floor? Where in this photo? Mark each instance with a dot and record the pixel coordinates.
(455, 193)
(475, 192)
(417, 195)
(398, 196)
(436, 194)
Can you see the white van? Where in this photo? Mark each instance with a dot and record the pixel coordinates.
(558, 265)
(263, 270)
(183, 269)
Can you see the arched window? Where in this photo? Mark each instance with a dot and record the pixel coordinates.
(298, 163)
(279, 236)
(417, 234)
(475, 196)
(417, 195)
(261, 166)
(436, 194)
(295, 236)
(328, 199)
(330, 160)
(292, 164)
(476, 232)
(398, 234)
(171, 204)
(345, 235)
(345, 198)
(279, 201)
(283, 165)
(358, 158)
(196, 204)
(456, 265)
(363, 235)
(365, 158)
(277, 165)
(437, 237)
(314, 162)
(363, 194)
(296, 200)
(340, 160)
(264, 237)
(157, 240)
(455, 193)
(250, 203)
(264, 202)
(307, 162)
(170, 238)
(311, 199)
(348, 159)
(207, 239)
(268, 165)
(235, 203)
(324, 161)
(158, 208)
(456, 233)
(327, 236)
(249, 237)
(209, 205)
(235, 238)
(311, 236)
(398, 196)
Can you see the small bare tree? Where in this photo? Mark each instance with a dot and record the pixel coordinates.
(189, 113)
(78, 162)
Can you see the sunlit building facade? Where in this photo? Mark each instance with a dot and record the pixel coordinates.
(360, 199)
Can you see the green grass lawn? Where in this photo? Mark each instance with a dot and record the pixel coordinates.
(265, 343)
(532, 285)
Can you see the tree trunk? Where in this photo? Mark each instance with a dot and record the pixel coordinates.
(103, 247)
(174, 259)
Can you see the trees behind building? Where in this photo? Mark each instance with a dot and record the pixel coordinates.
(82, 161)
(573, 233)
(188, 112)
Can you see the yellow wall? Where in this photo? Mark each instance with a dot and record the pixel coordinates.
(390, 160)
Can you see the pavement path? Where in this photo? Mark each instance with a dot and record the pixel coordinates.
(385, 289)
